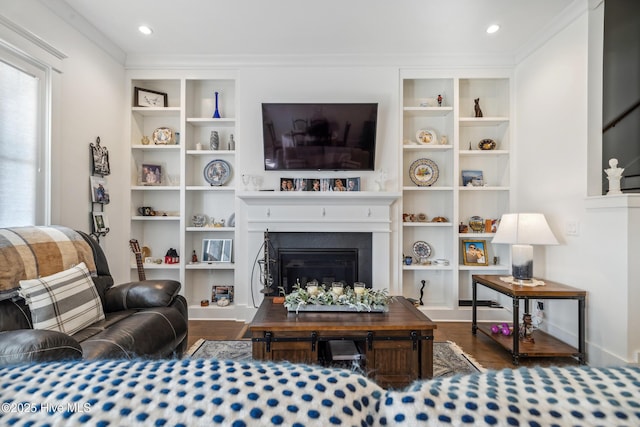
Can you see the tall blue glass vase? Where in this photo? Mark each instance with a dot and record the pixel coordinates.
(216, 114)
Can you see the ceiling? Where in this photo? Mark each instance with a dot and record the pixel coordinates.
(324, 27)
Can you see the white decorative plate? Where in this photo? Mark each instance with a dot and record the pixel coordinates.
(421, 249)
(424, 172)
(217, 172)
(162, 136)
(426, 136)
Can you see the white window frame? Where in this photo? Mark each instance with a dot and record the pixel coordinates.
(31, 66)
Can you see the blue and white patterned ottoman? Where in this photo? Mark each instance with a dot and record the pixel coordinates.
(187, 392)
(567, 396)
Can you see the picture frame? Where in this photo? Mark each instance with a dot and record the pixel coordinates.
(474, 252)
(221, 292)
(216, 250)
(99, 190)
(149, 98)
(472, 178)
(100, 222)
(151, 174)
(99, 158)
(353, 184)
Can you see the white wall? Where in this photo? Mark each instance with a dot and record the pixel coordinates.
(90, 105)
(552, 117)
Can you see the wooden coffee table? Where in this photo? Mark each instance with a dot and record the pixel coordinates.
(397, 345)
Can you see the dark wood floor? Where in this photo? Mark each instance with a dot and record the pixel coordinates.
(486, 352)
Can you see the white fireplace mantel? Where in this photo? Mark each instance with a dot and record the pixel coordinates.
(324, 212)
(363, 211)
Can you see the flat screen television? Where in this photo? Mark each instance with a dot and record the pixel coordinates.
(340, 136)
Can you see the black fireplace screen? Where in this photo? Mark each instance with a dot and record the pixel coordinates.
(324, 265)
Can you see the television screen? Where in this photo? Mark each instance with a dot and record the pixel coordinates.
(319, 136)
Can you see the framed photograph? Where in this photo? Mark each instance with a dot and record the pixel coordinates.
(325, 184)
(472, 178)
(339, 184)
(151, 174)
(99, 189)
(474, 252)
(314, 184)
(221, 292)
(100, 222)
(216, 250)
(353, 184)
(99, 158)
(286, 184)
(149, 98)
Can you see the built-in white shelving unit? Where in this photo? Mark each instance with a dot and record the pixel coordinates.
(183, 191)
(447, 286)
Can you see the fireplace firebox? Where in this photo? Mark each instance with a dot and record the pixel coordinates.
(325, 257)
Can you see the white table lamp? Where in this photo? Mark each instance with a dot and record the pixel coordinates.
(521, 231)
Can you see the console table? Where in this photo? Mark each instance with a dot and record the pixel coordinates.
(397, 345)
(545, 345)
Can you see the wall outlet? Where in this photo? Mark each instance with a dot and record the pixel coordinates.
(572, 228)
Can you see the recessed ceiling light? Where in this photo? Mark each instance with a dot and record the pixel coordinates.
(493, 28)
(145, 30)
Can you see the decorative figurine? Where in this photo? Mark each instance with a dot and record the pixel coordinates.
(216, 114)
(439, 100)
(232, 143)
(424, 282)
(614, 175)
(194, 257)
(526, 328)
(476, 107)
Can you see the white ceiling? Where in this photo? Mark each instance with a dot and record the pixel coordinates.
(305, 27)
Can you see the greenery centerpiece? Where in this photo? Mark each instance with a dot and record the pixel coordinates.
(319, 298)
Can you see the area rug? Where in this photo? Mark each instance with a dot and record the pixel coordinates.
(448, 358)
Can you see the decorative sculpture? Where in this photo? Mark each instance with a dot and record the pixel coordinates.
(526, 328)
(614, 175)
(476, 107)
(424, 282)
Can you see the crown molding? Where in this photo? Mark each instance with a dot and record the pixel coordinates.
(191, 62)
(551, 29)
(65, 12)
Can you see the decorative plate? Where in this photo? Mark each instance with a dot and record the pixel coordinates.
(217, 172)
(162, 136)
(424, 172)
(426, 136)
(421, 249)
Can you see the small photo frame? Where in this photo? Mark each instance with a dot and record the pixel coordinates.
(286, 184)
(339, 184)
(472, 178)
(149, 98)
(221, 292)
(100, 222)
(353, 184)
(326, 184)
(151, 174)
(99, 190)
(216, 250)
(474, 252)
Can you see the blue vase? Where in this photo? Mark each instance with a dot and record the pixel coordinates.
(216, 114)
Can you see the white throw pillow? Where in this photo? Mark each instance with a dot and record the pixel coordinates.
(67, 301)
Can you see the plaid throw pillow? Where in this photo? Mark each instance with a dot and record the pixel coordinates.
(67, 301)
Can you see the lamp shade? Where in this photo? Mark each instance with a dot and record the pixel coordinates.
(524, 229)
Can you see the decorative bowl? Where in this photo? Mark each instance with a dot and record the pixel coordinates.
(487, 144)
